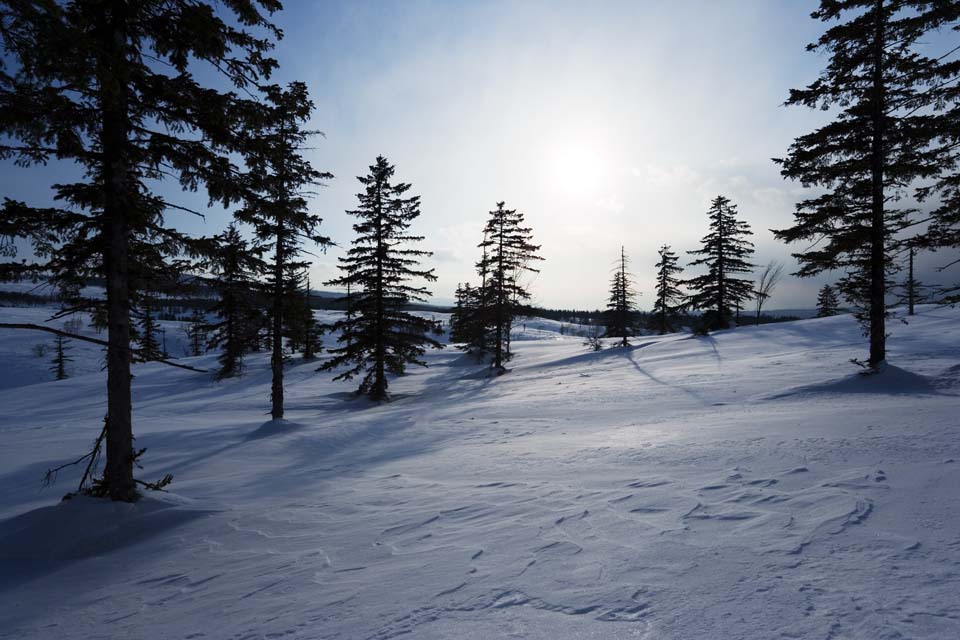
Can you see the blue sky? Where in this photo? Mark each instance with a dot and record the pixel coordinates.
(607, 123)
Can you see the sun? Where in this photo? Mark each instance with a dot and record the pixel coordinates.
(577, 167)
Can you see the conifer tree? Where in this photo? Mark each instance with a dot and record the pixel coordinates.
(113, 87)
(197, 332)
(669, 300)
(884, 137)
(459, 316)
(150, 348)
(60, 358)
(827, 302)
(621, 306)
(311, 329)
(236, 268)
(380, 336)
(277, 185)
(508, 253)
(726, 252)
(911, 289)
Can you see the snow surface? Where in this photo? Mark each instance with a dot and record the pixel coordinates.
(743, 485)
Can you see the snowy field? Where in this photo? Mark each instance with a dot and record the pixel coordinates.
(743, 485)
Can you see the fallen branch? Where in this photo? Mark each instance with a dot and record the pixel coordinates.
(104, 343)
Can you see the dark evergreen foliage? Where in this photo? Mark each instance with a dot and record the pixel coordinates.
(380, 336)
(827, 302)
(150, 347)
(277, 185)
(726, 252)
(886, 136)
(669, 302)
(236, 267)
(197, 332)
(60, 358)
(307, 328)
(507, 255)
(622, 304)
(113, 87)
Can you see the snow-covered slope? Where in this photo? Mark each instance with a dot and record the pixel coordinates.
(743, 485)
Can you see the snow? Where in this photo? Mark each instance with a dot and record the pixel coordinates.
(743, 485)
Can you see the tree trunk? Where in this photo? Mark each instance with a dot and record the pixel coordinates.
(276, 357)
(379, 389)
(878, 338)
(911, 286)
(118, 470)
(498, 354)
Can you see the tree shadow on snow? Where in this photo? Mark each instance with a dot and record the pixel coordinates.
(48, 539)
(890, 380)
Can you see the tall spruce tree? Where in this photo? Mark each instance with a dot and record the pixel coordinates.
(622, 304)
(236, 268)
(112, 86)
(726, 252)
(507, 254)
(827, 303)
(277, 183)
(669, 301)
(380, 336)
(885, 137)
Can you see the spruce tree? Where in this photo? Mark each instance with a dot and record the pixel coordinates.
(507, 255)
(669, 300)
(459, 315)
(150, 348)
(827, 303)
(911, 291)
(621, 306)
(311, 329)
(113, 87)
(886, 136)
(277, 184)
(197, 331)
(379, 336)
(236, 268)
(726, 253)
(60, 358)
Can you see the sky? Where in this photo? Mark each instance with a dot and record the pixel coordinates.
(605, 123)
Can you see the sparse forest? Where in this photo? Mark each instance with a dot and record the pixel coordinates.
(611, 344)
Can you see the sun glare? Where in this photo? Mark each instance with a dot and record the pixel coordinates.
(577, 167)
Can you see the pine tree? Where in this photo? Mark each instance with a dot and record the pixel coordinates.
(459, 315)
(277, 184)
(311, 330)
(60, 358)
(621, 306)
(883, 139)
(669, 300)
(379, 336)
(912, 290)
(236, 268)
(150, 348)
(507, 252)
(113, 87)
(197, 332)
(827, 303)
(726, 252)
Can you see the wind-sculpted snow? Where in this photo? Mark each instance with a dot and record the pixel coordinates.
(744, 485)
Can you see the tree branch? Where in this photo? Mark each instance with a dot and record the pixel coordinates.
(104, 343)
